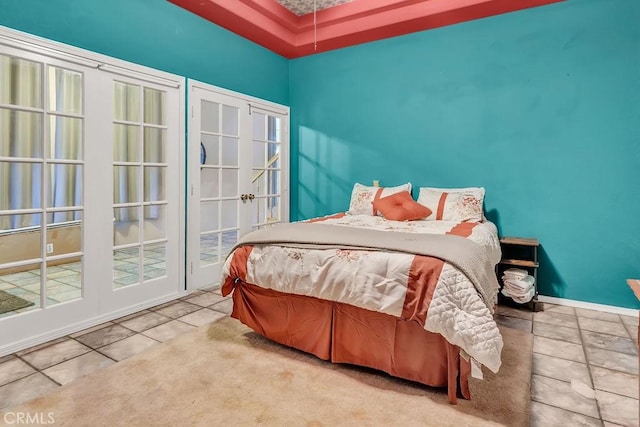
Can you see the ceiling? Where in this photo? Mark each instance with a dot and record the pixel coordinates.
(291, 29)
(302, 7)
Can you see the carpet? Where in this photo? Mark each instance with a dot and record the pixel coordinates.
(10, 302)
(224, 374)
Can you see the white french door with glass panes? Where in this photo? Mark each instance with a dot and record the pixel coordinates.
(147, 183)
(90, 189)
(238, 174)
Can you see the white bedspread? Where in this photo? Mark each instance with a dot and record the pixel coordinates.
(380, 281)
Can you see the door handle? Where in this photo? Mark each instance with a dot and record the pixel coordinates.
(251, 196)
(244, 197)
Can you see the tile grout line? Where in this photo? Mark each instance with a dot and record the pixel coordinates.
(568, 382)
(587, 366)
(596, 348)
(586, 358)
(625, 328)
(97, 350)
(564, 409)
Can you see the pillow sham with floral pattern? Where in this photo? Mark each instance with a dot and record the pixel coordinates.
(453, 204)
(362, 197)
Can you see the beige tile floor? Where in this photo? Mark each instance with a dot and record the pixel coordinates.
(585, 366)
(585, 363)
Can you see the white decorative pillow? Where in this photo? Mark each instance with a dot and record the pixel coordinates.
(453, 204)
(362, 197)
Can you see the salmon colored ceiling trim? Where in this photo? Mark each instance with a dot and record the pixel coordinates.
(269, 24)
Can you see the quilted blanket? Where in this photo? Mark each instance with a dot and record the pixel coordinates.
(443, 282)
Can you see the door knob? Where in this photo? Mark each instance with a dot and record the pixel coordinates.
(251, 196)
(244, 197)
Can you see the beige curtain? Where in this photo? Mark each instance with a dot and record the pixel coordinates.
(21, 84)
(65, 142)
(20, 136)
(127, 148)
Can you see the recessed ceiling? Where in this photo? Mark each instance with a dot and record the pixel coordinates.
(302, 7)
(340, 23)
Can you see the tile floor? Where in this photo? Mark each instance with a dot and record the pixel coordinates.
(585, 366)
(585, 363)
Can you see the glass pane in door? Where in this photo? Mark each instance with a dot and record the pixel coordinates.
(219, 179)
(126, 145)
(209, 248)
(126, 102)
(154, 106)
(126, 267)
(65, 91)
(266, 174)
(155, 260)
(210, 117)
(64, 242)
(20, 184)
(20, 82)
(65, 185)
(65, 138)
(139, 184)
(65, 212)
(20, 133)
(209, 150)
(155, 145)
(20, 242)
(42, 170)
(209, 182)
(21, 289)
(126, 225)
(154, 183)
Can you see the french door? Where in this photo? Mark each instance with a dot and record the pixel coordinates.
(238, 174)
(91, 192)
(145, 205)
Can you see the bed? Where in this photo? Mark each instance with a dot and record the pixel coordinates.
(414, 299)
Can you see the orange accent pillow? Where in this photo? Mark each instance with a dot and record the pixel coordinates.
(401, 207)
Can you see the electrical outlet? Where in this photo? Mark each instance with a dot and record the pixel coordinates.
(376, 183)
(49, 248)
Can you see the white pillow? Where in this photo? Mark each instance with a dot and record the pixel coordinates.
(362, 197)
(453, 204)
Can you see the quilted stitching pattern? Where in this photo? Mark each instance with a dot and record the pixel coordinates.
(458, 313)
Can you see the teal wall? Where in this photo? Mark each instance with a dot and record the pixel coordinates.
(541, 107)
(157, 34)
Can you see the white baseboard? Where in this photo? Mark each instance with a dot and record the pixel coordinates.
(589, 305)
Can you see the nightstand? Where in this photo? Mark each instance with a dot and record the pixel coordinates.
(522, 253)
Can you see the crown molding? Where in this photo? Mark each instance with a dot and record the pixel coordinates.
(271, 25)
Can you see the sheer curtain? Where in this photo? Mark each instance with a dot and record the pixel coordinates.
(65, 142)
(21, 136)
(129, 149)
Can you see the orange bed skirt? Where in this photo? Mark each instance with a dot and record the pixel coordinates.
(343, 333)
